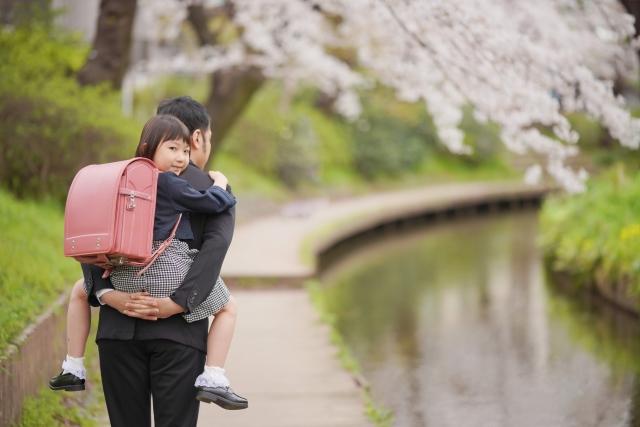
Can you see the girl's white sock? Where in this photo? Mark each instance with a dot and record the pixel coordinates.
(75, 366)
(213, 376)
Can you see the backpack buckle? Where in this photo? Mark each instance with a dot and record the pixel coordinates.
(116, 261)
(132, 201)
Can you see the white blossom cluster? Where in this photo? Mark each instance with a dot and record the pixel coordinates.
(519, 64)
(159, 20)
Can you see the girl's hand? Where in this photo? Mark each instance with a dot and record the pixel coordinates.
(167, 308)
(219, 179)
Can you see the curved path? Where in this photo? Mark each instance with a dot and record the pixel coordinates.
(282, 359)
(276, 247)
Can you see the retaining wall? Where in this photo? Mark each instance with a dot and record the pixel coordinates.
(387, 220)
(31, 359)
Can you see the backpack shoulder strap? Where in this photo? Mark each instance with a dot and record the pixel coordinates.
(149, 261)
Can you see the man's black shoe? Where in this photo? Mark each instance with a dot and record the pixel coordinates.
(221, 396)
(67, 382)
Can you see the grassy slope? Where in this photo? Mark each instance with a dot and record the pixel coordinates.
(33, 270)
(33, 273)
(596, 234)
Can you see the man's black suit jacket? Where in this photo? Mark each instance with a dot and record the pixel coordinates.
(212, 236)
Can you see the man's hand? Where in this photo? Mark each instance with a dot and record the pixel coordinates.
(144, 306)
(219, 179)
(139, 304)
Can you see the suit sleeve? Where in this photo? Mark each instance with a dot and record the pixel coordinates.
(204, 271)
(185, 198)
(93, 278)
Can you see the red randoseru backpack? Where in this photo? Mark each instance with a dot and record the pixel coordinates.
(109, 215)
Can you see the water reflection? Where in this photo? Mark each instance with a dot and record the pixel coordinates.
(454, 326)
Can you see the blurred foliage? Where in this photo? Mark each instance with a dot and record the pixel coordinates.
(598, 149)
(391, 138)
(292, 141)
(33, 272)
(50, 126)
(146, 99)
(48, 409)
(278, 141)
(394, 138)
(296, 155)
(596, 234)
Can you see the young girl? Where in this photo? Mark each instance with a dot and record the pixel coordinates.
(165, 140)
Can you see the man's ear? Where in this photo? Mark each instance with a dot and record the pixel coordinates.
(196, 139)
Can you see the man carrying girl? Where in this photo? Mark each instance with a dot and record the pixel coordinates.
(140, 356)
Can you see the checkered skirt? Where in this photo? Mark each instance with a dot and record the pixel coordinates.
(165, 275)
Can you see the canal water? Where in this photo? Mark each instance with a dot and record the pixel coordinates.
(458, 325)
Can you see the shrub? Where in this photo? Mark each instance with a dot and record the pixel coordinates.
(596, 234)
(296, 155)
(391, 138)
(50, 126)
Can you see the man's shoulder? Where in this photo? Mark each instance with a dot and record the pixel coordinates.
(196, 177)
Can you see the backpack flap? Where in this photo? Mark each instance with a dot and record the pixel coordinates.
(105, 206)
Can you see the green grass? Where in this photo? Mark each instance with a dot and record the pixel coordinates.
(33, 273)
(51, 125)
(596, 235)
(297, 148)
(33, 270)
(379, 415)
(49, 409)
(61, 409)
(246, 180)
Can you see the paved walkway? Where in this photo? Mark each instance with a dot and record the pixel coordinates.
(283, 362)
(273, 247)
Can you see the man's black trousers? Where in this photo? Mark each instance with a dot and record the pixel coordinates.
(134, 370)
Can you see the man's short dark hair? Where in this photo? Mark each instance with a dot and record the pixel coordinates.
(189, 111)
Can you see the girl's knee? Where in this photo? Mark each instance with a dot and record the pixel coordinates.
(78, 292)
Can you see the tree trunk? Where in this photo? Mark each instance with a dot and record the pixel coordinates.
(231, 91)
(111, 50)
(198, 18)
(633, 8)
(231, 88)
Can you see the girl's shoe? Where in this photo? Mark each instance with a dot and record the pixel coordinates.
(66, 382)
(224, 397)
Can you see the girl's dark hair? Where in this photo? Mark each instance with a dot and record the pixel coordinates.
(162, 127)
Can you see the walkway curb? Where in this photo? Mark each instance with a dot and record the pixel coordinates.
(296, 245)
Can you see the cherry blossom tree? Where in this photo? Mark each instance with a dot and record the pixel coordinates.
(522, 65)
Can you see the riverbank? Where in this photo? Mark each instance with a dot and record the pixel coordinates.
(594, 238)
